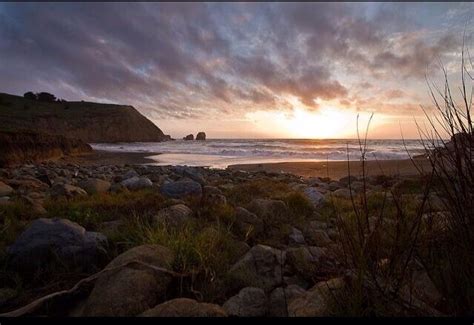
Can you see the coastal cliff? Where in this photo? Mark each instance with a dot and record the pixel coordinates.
(19, 147)
(89, 122)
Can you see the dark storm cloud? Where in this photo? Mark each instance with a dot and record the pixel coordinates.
(188, 60)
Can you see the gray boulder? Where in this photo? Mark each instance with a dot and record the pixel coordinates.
(212, 196)
(131, 288)
(317, 237)
(343, 193)
(118, 188)
(314, 196)
(348, 179)
(334, 186)
(95, 185)
(260, 267)
(296, 237)
(306, 260)
(181, 189)
(249, 302)
(66, 190)
(137, 183)
(130, 174)
(247, 224)
(280, 298)
(185, 307)
(189, 172)
(317, 301)
(270, 211)
(174, 216)
(46, 239)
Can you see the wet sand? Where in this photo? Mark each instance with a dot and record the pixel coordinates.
(100, 157)
(338, 169)
(331, 169)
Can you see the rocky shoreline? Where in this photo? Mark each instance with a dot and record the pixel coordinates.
(282, 253)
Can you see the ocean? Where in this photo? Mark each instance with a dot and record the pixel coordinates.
(219, 153)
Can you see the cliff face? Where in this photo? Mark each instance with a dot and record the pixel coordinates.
(18, 147)
(90, 122)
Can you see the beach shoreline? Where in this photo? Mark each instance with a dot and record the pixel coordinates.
(339, 169)
(103, 157)
(331, 169)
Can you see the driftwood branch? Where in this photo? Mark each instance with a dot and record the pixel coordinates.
(38, 303)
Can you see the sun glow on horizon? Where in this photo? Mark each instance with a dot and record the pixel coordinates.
(327, 122)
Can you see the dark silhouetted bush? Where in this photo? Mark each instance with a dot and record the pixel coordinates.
(46, 97)
(30, 95)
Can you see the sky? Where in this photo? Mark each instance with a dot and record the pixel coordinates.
(240, 70)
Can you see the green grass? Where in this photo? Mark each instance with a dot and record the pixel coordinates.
(243, 194)
(90, 211)
(206, 250)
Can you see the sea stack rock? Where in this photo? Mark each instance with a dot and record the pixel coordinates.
(189, 137)
(201, 136)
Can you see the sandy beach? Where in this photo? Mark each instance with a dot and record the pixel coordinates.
(101, 157)
(338, 169)
(331, 169)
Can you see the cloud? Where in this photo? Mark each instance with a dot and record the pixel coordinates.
(199, 60)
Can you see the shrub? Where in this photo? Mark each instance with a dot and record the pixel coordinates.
(46, 97)
(30, 95)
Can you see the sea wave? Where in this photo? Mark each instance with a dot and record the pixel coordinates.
(280, 149)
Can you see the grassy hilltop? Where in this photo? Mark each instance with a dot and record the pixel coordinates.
(87, 121)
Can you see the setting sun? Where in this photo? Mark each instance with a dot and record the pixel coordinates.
(325, 123)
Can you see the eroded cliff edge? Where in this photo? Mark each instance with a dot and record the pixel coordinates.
(87, 121)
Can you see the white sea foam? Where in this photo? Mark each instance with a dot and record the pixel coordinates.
(220, 153)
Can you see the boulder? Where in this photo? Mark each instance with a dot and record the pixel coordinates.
(35, 203)
(66, 190)
(26, 184)
(249, 302)
(185, 307)
(260, 267)
(342, 193)
(316, 302)
(129, 174)
(46, 239)
(181, 189)
(130, 289)
(118, 188)
(137, 183)
(270, 211)
(334, 186)
(189, 137)
(201, 136)
(189, 172)
(348, 179)
(315, 182)
(95, 185)
(305, 261)
(359, 186)
(296, 237)
(5, 189)
(317, 237)
(314, 196)
(212, 196)
(175, 216)
(280, 298)
(247, 224)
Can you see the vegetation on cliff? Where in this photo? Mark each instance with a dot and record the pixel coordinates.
(22, 146)
(89, 122)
